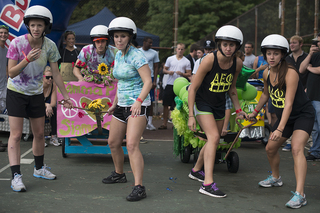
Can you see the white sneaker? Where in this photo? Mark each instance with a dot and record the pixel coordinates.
(44, 173)
(150, 127)
(16, 183)
(54, 141)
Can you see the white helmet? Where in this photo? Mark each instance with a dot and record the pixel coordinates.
(123, 24)
(229, 33)
(99, 31)
(275, 41)
(39, 12)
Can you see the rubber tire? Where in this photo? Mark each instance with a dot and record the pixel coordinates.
(233, 162)
(196, 156)
(267, 130)
(63, 147)
(185, 154)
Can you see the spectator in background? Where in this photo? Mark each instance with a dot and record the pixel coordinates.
(69, 53)
(311, 64)
(176, 66)
(153, 62)
(259, 65)
(192, 55)
(295, 59)
(249, 57)
(50, 100)
(208, 47)
(200, 53)
(4, 34)
(161, 83)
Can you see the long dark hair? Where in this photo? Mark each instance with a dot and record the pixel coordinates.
(282, 71)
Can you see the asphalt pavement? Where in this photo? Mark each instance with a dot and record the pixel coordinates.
(78, 187)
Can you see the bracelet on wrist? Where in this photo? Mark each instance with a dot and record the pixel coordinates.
(256, 111)
(139, 99)
(27, 59)
(238, 110)
(279, 130)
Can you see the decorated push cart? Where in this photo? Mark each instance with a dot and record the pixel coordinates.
(84, 129)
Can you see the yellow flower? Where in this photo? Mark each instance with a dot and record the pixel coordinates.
(96, 104)
(103, 69)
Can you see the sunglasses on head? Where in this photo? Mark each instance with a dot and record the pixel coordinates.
(48, 77)
(70, 32)
(4, 26)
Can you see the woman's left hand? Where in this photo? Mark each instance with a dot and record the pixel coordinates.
(276, 135)
(242, 115)
(67, 103)
(136, 109)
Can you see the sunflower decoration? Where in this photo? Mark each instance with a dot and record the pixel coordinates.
(103, 69)
(96, 105)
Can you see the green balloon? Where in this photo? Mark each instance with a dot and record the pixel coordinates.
(182, 91)
(243, 76)
(185, 96)
(239, 91)
(178, 84)
(250, 94)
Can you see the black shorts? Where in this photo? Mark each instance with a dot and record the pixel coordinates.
(123, 113)
(168, 97)
(302, 123)
(25, 106)
(202, 108)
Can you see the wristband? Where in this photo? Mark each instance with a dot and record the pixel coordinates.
(139, 99)
(256, 111)
(279, 130)
(25, 57)
(238, 110)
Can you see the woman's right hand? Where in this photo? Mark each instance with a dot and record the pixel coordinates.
(252, 116)
(111, 109)
(34, 54)
(192, 124)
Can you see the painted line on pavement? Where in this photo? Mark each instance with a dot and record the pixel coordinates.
(7, 166)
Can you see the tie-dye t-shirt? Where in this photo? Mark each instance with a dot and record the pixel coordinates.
(30, 80)
(93, 59)
(130, 83)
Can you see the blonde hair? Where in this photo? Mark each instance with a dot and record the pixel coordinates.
(47, 69)
(298, 38)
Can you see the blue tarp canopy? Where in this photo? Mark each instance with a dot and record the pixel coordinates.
(104, 17)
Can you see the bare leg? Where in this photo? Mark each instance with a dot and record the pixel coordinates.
(37, 125)
(116, 136)
(16, 125)
(298, 142)
(135, 129)
(273, 155)
(212, 128)
(165, 115)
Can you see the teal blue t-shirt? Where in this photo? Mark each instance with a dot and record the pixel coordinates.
(126, 71)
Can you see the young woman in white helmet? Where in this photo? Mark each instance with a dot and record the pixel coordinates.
(96, 53)
(216, 76)
(130, 107)
(28, 56)
(294, 111)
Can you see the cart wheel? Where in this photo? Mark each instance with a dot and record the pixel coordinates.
(233, 162)
(267, 131)
(63, 146)
(196, 156)
(185, 154)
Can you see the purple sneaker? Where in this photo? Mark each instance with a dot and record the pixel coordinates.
(199, 175)
(211, 190)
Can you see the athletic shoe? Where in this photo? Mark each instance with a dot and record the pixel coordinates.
(115, 178)
(297, 200)
(199, 175)
(312, 158)
(138, 193)
(16, 183)
(211, 190)
(271, 181)
(45, 144)
(54, 141)
(287, 148)
(150, 127)
(43, 173)
(170, 120)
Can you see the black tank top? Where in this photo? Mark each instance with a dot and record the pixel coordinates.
(301, 104)
(215, 84)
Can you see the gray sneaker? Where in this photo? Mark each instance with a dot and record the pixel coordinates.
(17, 184)
(271, 181)
(44, 173)
(297, 200)
(54, 141)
